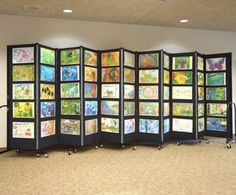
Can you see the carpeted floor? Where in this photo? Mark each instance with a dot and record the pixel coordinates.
(186, 169)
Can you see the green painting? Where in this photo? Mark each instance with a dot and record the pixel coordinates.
(23, 109)
(216, 79)
(182, 109)
(70, 107)
(47, 56)
(70, 90)
(216, 93)
(23, 73)
(70, 56)
(182, 77)
(200, 78)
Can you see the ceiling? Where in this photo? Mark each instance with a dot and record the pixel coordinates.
(202, 14)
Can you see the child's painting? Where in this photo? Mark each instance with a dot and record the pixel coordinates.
(129, 75)
(23, 109)
(215, 64)
(148, 76)
(110, 107)
(148, 92)
(47, 74)
(129, 126)
(90, 90)
(200, 93)
(148, 60)
(70, 90)
(166, 93)
(110, 74)
(182, 77)
(214, 109)
(48, 128)
(129, 91)
(70, 127)
(166, 77)
(182, 93)
(129, 108)
(216, 93)
(23, 130)
(200, 64)
(23, 55)
(200, 78)
(48, 109)
(149, 108)
(70, 73)
(216, 124)
(166, 109)
(47, 56)
(110, 59)
(166, 126)
(215, 79)
(91, 126)
(201, 124)
(47, 91)
(166, 61)
(182, 125)
(149, 126)
(182, 63)
(70, 56)
(23, 91)
(129, 59)
(182, 109)
(201, 109)
(90, 74)
(90, 58)
(110, 90)
(91, 108)
(110, 125)
(70, 107)
(23, 73)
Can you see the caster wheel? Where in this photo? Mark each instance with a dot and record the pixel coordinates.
(38, 155)
(159, 147)
(207, 142)
(179, 143)
(228, 146)
(46, 155)
(75, 150)
(101, 146)
(123, 146)
(18, 151)
(96, 147)
(134, 148)
(70, 152)
(199, 141)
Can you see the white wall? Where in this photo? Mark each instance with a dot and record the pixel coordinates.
(68, 33)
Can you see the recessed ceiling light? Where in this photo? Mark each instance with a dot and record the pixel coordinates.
(67, 10)
(183, 21)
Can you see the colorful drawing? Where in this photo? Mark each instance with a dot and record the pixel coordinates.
(48, 109)
(129, 75)
(91, 108)
(166, 77)
(90, 74)
(214, 79)
(90, 58)
(47, 74)
(23, 55)
(23, 130)
(129, 108)
(70, 107)
(110, 125)
(129, 59)
(166, 109)
(166, 126)
(149, 126)
(70, 73)
(214, 109)
(182, 125)
(48, 128)
(129, 126)
(148, 76)
(70, 90)
(47, 91)
(90, 90)
(182, 93)
(111, 58)
(23, 73)
(200, 63)
(216, 93)
(70, 127)
(110, 74)
(182, 63)
(182, 109)
(23, 109)
(91, 126)
(148, 60)
(201, 124)
(23, 91)
(200, 78)
(149, 108)
(216, 124)
(166, 61)
(110, 107)
(47, 56)
(129, 92)
(70, 56)
(166, 93)
(215, 64)
(148, 92)
(200, 93)
(201, 109)
(182, 77)
(110, 90)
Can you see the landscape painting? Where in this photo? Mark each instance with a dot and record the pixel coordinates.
(23, 130)
(129, 59)
(148, 92)
(129, 126)
(23, 55)
(70, 127)
(182, 63)
(91, 126)
(90, 90)
(149, 108)
(23, 91)
(129, 75)
(70, 56)
(216, 93)
(110, 90)
(110, 107)
(110, 74)
(47, 56)
(215, 64)
(91, 108)
(182, 93)
(70, 90)
(48, 128)
(215, 79)
(149, 126)
(23, 73)
(129, 108)
(182, 77)
(214, 109)
(182, 109)
(216, 124)
(70, 107)
(70, 73)
(48, 109)
(23, 109)
(129, 92)
(90, 74)
(148, 76)
(47, 91)
(47, 73)
(90, 58)
(148, 60)
(110, 59)
(182, 125)
(110, 125)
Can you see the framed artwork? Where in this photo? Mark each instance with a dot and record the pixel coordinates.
(182, 125)
(47, 73)
(110, 90)
(48, 128)
(47, 56)
(48, 109)
(110, 125)
(149, 126)
(70, 56)
(23, 130)
(182, 92)
(23, 91)
(110, 107)
(182, 77)
(129, 91)
(200, 93)
(200, 63)
(215, 79)
(129, 108)
(201, 124)
(70, 73)
(149, 60)
(110, 74)
(149, 108)
(216, 124)
(166, 126)
(216, 93)
(90, 58)
(182, 63)
(166, 61)
(201, 109)
(129, 75)
(90, 74)
(148, 76)
(129, 59)
(215, 64)
(70, 107)
(90, 90)
(23, 55)
(166, 109)
(129, 126)
(166, 77)
(91, 126)
(214, 109)
(23, 73)
(182, 109)
(110, 59)
(47, 91)
(70, 90)
(91, 108)
(70, 127)
(166, 93)
(200, 78)
(148, 92)
(23, 109)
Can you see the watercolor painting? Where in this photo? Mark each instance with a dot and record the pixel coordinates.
(129, 75)
(200, 63)
(215, 64)
(91, 108)
(166, 126)
(23, 73)
(201, 124)
(70, 127)
(47, 74)
(129, 108)
(148, 76)
(148, 92)
(148, 60)
(70, 56)
(216, 124)
(182, 125)
(216, 93)
(182, 93)
(110, 74)
(110, 59)
(48, 128)
(23, 91)
(110, 125)
(214, 79)
(166, 61)
(182, 109)
(129, 91)
(23, 109)
(70, 107)
(166, 109)
(23, 130)
(200, 93)
(47, 91)
(200, 78)
(90, 90)
(149, 126)
(129, 126)
(110, 107)
(166, 77)
(91, 126)
(90, 58)
(70, 73)
(23, 55)
(214, 109)
(129, 59)
(182, 77)
(182, 63)
(47, 56)
(201, 109)
(90, 74)
(48, 109)
(166, 93)
(149, 108)
(110, 90)
(70, 90)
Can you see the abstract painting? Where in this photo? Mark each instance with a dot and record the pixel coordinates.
(215, 64)
(182, 63)
(110, 74)
(23, 91)
(70, 127)
(129, 92)
(129, 75)
(48, 128)
(47, 73)
(110, 125)
(23, 109)
(214, 79)
(216, 93)
(70, 90)
(129, 59)
(148, 60)
(70, 73)
(182, 109)
(47, 91)
(90, 90)
(70, 107)
(214, 109)
(166, 77)
(91, 126)
(110, 107)
(148, 76)
(200, 63)
(201, 109)
(200, 78)
(149, 108)
(149, 126)
(129, 108)
(182, 77)
(182, 125)
(23, 73)
(23, 130)
(48, 109)
(200, 93)
(90, 58)
(182, 93)
(216, 124)
(70, 56)
(47, 56)
(23, 55)
(148, 92)
(91, 108)
(90, 74)
(110, 58)
(110, 90)
(129, 126)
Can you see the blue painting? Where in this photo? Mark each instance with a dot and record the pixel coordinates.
(70, 73)
(216, 124)
(47, 74)
(166, 125)
(149, 126)
(91, 108)
(47, 109)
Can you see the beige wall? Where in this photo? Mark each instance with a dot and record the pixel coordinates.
(68, 33)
